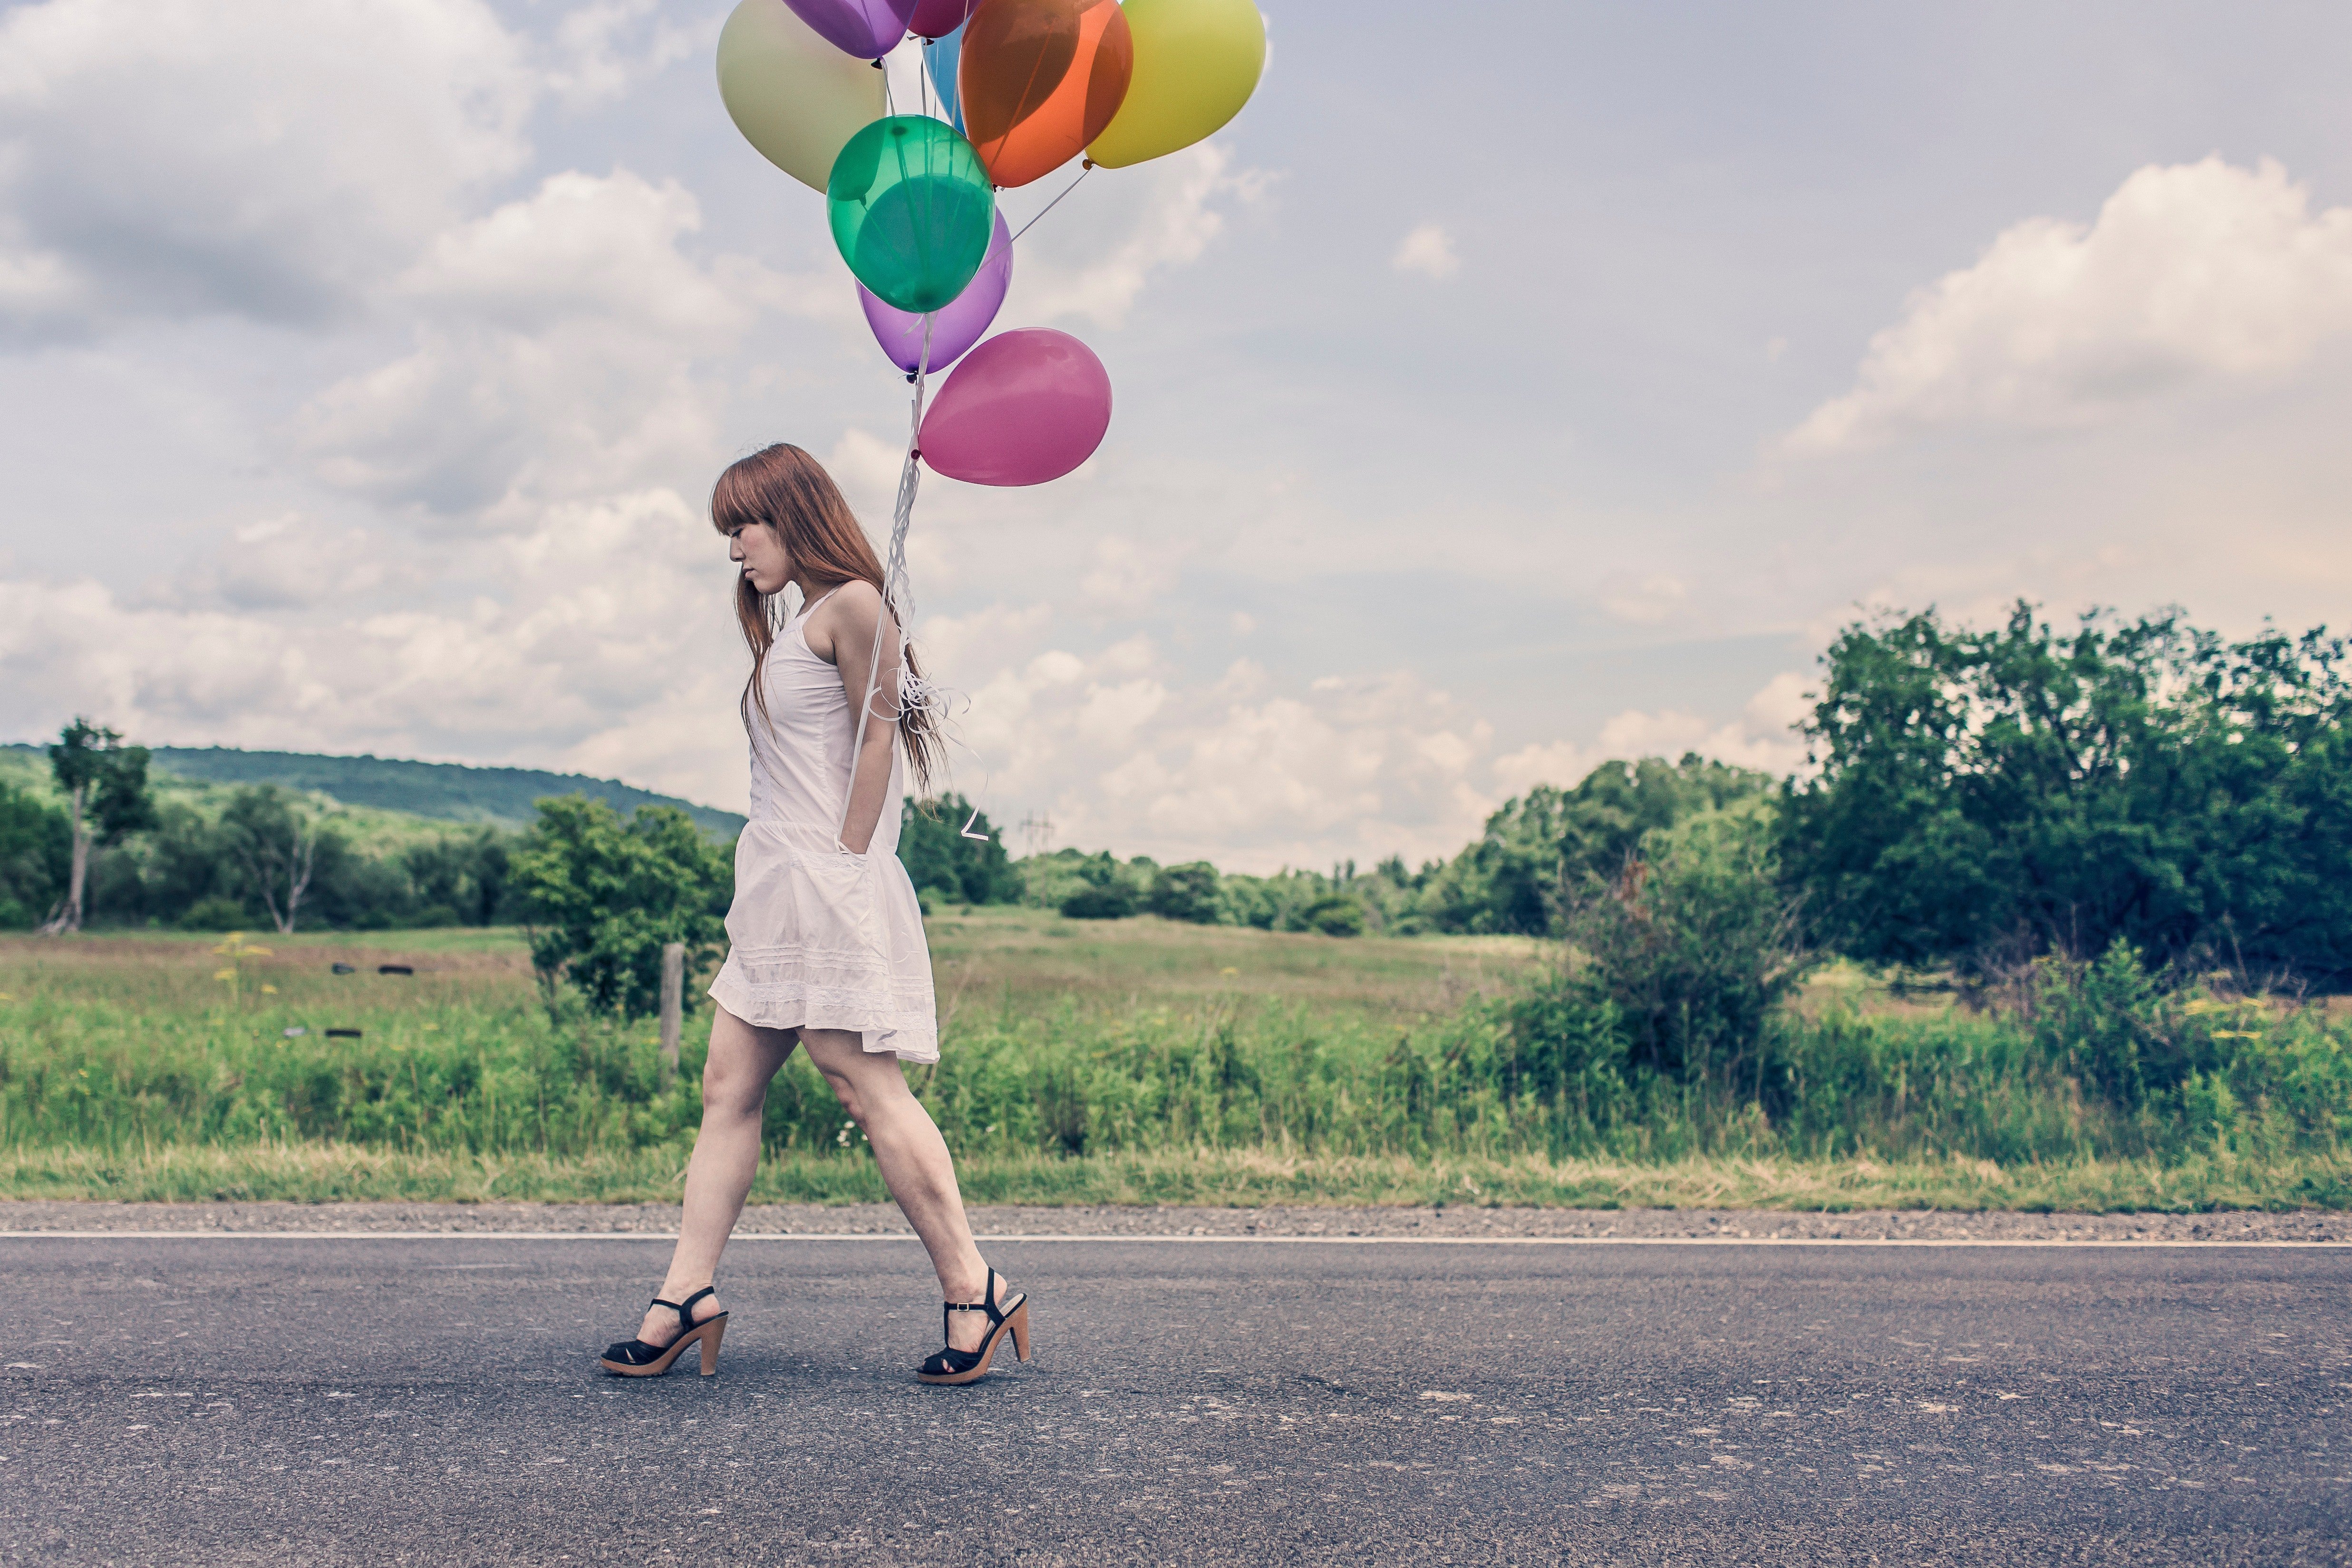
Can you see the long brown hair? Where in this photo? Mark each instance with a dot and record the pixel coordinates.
(785, 489)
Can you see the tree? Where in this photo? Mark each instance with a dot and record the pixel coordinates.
(1985, 797)
(277, 842)
(458, 878)
(603, 896)
(1104, 891)
(1186, 893)
(1334, 914)
(1543, 848)
(1692, 945)
(36, 850)
(105, 785)
(950, 850)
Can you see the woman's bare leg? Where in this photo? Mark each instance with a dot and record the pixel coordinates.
(743, 1059)
(914, 1163)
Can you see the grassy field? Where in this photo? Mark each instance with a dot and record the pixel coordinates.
(1130, 1061)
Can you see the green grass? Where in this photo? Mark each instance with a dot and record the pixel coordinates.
(1019, 962)
(1130, 1061)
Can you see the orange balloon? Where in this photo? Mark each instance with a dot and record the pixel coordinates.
(1038, 80)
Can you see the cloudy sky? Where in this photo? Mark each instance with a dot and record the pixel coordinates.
(1494, 396)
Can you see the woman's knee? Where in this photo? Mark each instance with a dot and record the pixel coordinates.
(735, 1082)
(845, 1090)
(732, 1089)
(863, 1083)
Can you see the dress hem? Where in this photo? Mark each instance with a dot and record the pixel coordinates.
(911, 1037)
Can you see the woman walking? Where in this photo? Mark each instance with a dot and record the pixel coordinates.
(826, 936)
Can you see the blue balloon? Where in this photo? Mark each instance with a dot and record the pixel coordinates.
(941, 54)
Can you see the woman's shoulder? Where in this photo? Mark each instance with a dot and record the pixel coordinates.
(850, 609)
(855, 594)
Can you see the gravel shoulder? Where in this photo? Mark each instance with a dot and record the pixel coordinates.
(2307, 1226)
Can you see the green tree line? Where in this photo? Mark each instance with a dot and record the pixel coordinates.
(1976, 800)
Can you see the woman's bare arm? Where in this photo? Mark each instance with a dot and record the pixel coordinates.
(843, 631)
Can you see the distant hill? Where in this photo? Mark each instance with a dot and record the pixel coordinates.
(448, 791)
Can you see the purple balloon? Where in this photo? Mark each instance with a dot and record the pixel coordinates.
(867, 28)
(956, 325)
(1025, 407)
(938, 18)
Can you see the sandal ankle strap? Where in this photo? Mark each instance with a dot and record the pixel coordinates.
(685, 1310)
(987, 1305)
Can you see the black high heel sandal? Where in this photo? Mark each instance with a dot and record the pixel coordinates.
(634, 1358)
(948, 1365)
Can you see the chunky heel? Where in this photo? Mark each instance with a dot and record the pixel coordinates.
(1017, 1320)
(634, 1358)
(948, 1365)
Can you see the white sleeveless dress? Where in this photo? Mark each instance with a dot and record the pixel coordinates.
(820, 937)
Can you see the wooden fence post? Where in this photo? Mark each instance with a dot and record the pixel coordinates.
(673, 1006)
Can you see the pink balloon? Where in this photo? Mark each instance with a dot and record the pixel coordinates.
(1023, 407)
(938, 18)
(867, 28)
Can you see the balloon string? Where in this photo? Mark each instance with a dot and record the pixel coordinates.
(913, 690)
(1073, 186)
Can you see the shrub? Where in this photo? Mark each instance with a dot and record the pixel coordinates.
(2113, 1028)
(214, 912)
(1694, 946)
(613, 894)
(1047, 879)
(1187, 892)
(1334, 915)
(1100, 901)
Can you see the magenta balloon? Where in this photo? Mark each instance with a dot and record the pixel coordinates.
(956, 325)
(1022, 408)
(938, 18)
(867, 28)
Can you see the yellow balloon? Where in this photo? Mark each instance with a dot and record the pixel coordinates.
(1196, 63)
(793, 96)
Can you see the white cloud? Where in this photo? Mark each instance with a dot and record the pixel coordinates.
(868, 469)
(1761, 737)
(1653, 599)
(271, 159)
(606, 646)
(1130, 577)
(585, 245)
(605, 48)
(556, 352)
(1092, 256)
(1123, 751)
(987, 639)
(285, 562)
(2194, 274)
(1428, 250)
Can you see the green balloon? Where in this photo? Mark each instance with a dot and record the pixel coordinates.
(912, 210)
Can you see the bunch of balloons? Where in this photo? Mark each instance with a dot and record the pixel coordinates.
(1024, 88)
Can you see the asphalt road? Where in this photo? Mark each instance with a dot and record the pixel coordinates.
(318, 1400)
